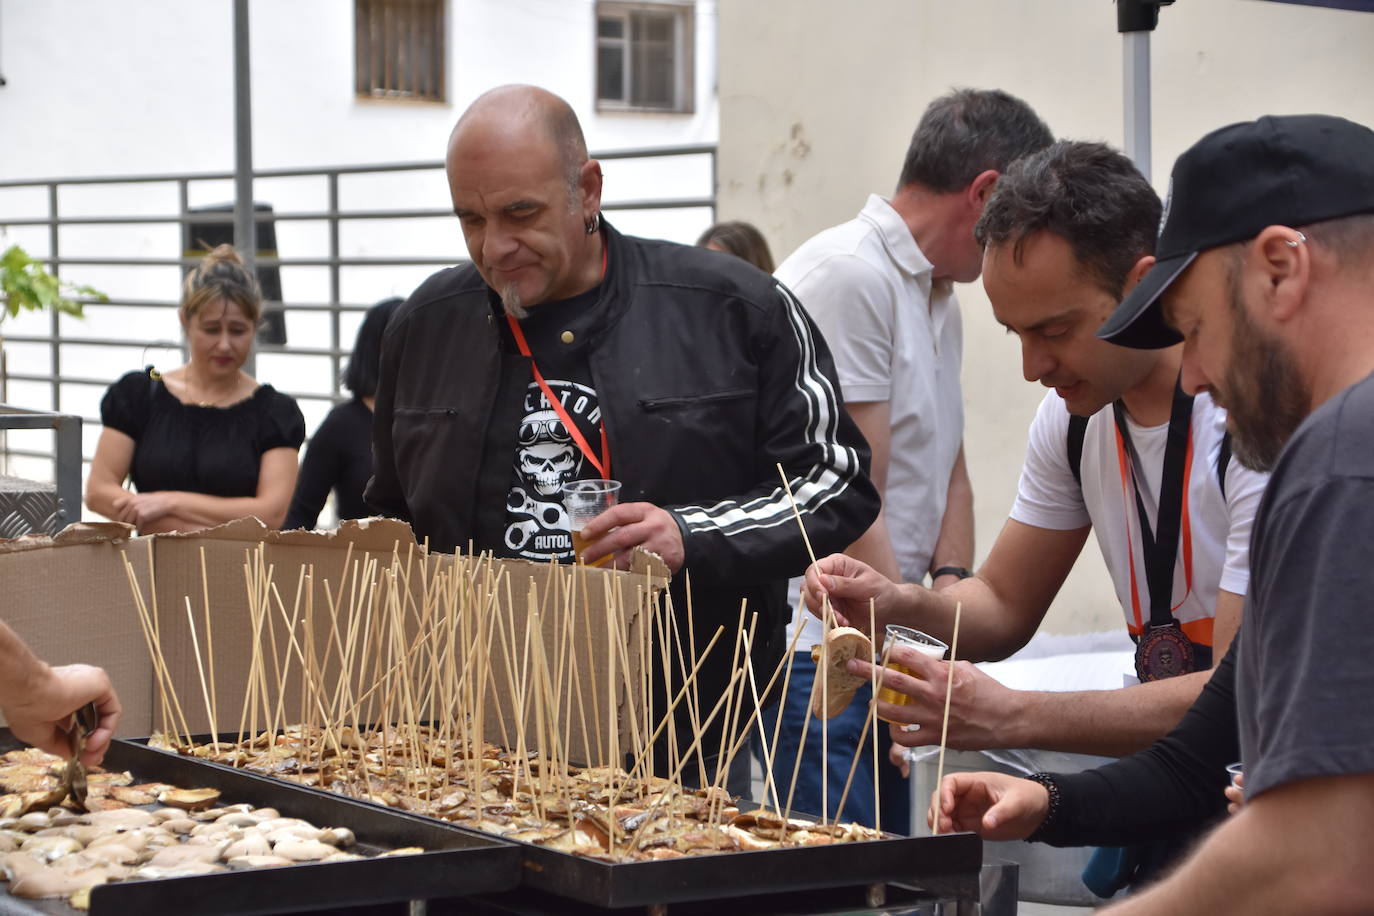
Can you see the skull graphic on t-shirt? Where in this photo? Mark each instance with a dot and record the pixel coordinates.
(546, 457)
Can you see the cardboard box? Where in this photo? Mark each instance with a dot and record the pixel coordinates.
(71, 598)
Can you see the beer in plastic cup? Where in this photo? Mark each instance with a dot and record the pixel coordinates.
(584, 500)
(912, 639)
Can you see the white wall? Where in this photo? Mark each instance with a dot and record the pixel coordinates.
(99, 88)
(818, 101)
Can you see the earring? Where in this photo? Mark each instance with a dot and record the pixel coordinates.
(594, 224)
(1292, 244)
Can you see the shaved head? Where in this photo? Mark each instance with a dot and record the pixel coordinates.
(531, 113)
(527, 196)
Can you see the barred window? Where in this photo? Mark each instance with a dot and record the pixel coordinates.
(644, 56)
(399, 49)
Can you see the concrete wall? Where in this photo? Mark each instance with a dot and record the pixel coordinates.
(146, 86)
(108, 88)
(818, 100)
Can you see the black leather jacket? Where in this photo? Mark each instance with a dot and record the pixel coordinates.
(708, 374)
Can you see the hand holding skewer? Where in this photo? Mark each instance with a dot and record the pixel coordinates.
(40, 715)
(850, 585)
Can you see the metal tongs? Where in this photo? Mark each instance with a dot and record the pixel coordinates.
(84, 721)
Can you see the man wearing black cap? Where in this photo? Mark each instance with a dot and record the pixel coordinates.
(1266, 270)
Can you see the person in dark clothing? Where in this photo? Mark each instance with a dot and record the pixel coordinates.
(1167, 794)
(204, 443)
(566, 351)
(339, 456)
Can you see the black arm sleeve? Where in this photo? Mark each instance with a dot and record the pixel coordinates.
(318, 475)
(1173, 787)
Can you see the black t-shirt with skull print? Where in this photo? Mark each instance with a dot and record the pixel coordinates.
(546, 456)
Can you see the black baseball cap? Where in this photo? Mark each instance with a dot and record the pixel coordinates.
(1290, 170)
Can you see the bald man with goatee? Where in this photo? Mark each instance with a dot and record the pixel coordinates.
(565, 351)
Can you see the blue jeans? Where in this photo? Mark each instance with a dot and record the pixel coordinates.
(844, 732)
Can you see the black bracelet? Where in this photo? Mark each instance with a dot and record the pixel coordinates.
(960, 571)
(1045, 779)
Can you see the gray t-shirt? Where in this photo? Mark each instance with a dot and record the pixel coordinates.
(1305, 673)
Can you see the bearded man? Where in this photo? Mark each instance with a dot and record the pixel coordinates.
(1266, 273)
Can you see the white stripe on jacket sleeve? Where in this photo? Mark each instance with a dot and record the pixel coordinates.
(821, 482)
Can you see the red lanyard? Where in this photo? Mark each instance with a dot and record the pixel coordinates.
(602, 466)
(1128, 475)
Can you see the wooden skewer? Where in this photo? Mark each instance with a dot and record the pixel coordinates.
(730, 714)
(796, 511)
(869, 722)
(667, 717)
(944, 725)
(770, 788)
(210, 651)
(204, 689)
(695, 703)
(171, 703)
(825, 726)
(873, 698)
(731, 726)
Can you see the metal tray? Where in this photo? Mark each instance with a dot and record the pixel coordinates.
(460, 862)
(947, 864)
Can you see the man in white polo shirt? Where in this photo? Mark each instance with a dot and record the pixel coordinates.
(880, 287)
(1068, 231)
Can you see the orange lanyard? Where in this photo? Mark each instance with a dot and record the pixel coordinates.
(1128, 478)
(603, 466)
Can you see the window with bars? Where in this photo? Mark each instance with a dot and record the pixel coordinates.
(644, 56)
(399, 49)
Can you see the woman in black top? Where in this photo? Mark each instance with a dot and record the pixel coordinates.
(204, 443)
(339, 456)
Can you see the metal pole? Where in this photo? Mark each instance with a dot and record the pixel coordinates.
(55, 319)
(335, 285)
(245, 227)
(1136, 79)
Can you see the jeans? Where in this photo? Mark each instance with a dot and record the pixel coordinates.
(844, 731)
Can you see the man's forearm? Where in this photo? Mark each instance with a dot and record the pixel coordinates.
(986, 631)
(875, 549)
(1111, 723)
(954, 547)
(1301, 848)
(20, 669)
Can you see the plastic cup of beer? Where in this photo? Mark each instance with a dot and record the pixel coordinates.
(584, 500)
(910, 639)
(1234, 770)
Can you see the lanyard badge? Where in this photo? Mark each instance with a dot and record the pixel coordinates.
(601, 463)
(1162, 648)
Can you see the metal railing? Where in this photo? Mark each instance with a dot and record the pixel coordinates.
(331, 257)
(66, 456)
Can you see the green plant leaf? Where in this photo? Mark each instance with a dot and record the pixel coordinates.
(28, 286)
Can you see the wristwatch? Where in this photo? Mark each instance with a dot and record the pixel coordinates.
(960, 571)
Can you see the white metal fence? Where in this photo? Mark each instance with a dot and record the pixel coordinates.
(346, 237)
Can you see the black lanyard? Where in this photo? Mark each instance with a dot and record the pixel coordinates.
(1160, 546)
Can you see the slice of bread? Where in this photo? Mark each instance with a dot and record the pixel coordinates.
(834, 689)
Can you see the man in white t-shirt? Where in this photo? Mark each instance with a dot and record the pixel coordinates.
(1067, 232)
(880, 287)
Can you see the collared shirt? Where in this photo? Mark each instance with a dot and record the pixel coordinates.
(897, 336)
